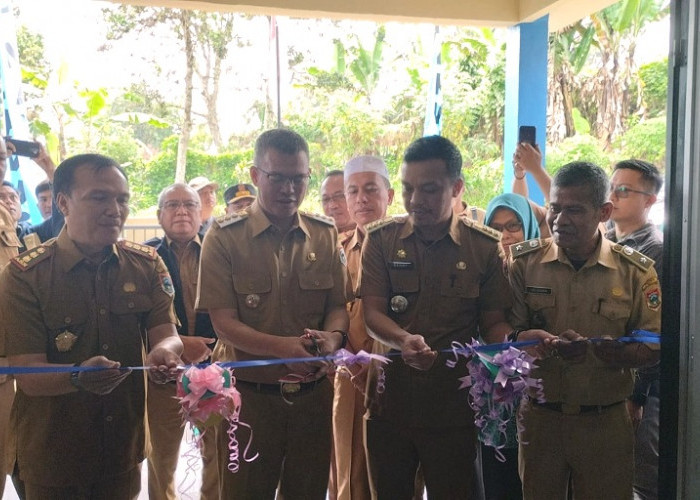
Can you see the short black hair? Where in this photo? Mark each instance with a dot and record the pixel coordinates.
(42, 186)
(9, 184)
(333, 173)
(650, 174)
(64, 177)
(435, 147)
(284, 140)
(582, 173)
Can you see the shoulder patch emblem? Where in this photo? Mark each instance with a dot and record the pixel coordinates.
(142, 250)
(630, 254)
(30, 258)
(525, 247)
(228, 219)
(318, 217)
(377, 224)
(478, 226)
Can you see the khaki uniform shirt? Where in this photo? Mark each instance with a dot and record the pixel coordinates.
(446, 285)
(188, 264)
(616, 291)
(358, 339)
(54, 302)
(9, 248)
(277, 283)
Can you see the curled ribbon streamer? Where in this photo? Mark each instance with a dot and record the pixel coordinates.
(192, 459)
(496, 384)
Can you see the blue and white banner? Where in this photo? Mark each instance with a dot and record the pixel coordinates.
(24, 173)
(433, 106)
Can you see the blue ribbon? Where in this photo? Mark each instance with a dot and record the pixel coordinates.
(635, 336)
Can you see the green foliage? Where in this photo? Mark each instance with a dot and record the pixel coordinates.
(654, 82)
(578, 148)
(646, 141)
(147, 179)
(483, 182)
(580, 123)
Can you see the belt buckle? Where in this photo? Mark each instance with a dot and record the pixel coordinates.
(290, 387)
(568, 409)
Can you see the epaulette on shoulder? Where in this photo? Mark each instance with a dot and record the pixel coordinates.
(378, 224)
(30, 258)
(638, 259)
(228, 219)
(478, 226)
(142, 250)
(525, 247)
(319, 217)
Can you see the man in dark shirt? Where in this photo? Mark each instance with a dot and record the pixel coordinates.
(634, 186)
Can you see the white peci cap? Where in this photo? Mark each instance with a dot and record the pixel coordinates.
(365, 163)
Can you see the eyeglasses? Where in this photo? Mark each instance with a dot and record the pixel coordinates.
(512, 227)
(624, 191)
(336, 198)
(173, 205)
(277, 179)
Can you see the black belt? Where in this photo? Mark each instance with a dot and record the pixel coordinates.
(574, 409)
(284, 388)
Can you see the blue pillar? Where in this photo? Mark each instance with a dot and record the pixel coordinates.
(526, 93)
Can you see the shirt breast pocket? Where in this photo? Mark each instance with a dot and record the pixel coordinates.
(405, 285)
(314, 289)
(254, 295)
(129, 313)
(541, 309)
(67, 341)
(459, 296)
(613, 316)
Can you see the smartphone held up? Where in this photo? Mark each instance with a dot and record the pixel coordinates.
(29, 149)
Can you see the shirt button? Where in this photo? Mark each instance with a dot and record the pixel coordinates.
(103, 311)
(108, 418)
(105, 347)
(316, 283)
(130, 305)
(282, 248)
(284, 274)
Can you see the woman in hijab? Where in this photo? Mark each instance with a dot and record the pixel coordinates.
(513, 216)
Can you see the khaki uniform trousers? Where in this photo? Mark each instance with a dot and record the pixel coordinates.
(122, 487)
(593, 449)
(7, 452)
(165, 429)
(293, 442)
(352, 481)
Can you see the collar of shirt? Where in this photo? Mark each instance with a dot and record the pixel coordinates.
(7, 223)
(69, 255)
(603, 254)
(353, 240)
(259, 222)
(173, 244)
(634, 238)
(453, 230)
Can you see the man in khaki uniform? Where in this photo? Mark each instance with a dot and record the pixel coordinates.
(84, 299)
(179, 214)
(9, 245)
(428, 279)
(368, 193)
(573, 287)
(334, 203)
(274, 285)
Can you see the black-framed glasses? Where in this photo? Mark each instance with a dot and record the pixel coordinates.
(278, 179)
(172, 205)
(512, 227)
(624, 191)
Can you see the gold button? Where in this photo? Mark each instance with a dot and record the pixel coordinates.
(130, 305)
(103, 311)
